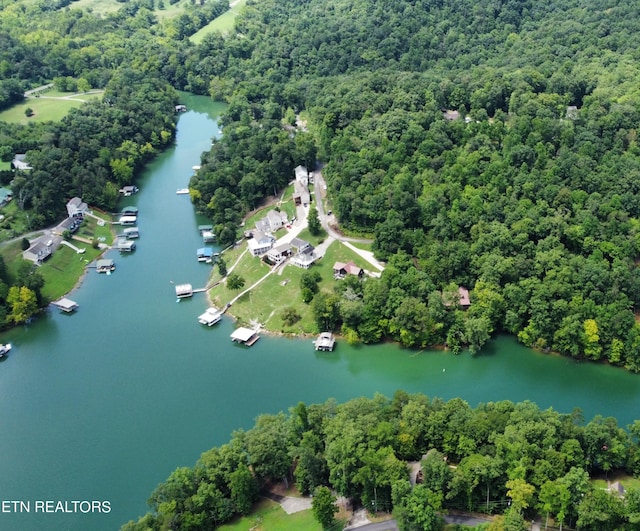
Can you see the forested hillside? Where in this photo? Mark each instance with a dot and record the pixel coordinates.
(529, 198)
(499, 458)
(138, 61)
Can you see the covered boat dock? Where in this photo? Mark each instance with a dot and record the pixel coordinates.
(210, 317)
(66, 305)
(246, 336)
(325, 342)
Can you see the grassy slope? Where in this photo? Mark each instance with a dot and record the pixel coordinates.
(279, 291)
(268, 515)
(223, 24)
(45, 109)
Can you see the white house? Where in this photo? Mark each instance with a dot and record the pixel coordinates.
(260, 243)
(302, 175)
(75, 207)
(273, 221)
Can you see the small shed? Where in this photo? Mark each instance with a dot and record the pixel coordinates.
(106, 265)
(66, 305)
(245, 336)
(341, 270)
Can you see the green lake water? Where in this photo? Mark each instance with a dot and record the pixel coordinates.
(106, 403)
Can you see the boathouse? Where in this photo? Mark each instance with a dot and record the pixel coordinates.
(128, 190)
(129, 211)
(210, 317)
(126, 246)
(325, 342)
(131, 233)
(205, 254)
(128, 220)
(245, 336)
(184, 290)
(66, 305)
(106, 265)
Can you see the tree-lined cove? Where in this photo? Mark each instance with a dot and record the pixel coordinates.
(105, 404)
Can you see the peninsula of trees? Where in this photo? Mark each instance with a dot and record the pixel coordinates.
(510, 460)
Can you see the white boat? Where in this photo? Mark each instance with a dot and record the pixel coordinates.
(182, 191)
(4, 349)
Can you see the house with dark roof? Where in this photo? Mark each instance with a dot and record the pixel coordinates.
(38, 252)
(300, 246)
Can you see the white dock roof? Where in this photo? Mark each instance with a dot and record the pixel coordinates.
(242, 334)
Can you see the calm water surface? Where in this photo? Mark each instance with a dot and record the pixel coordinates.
(105, 404)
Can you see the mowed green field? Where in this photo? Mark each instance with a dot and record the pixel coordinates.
(46, 108)
(223, 24)
(102, 7)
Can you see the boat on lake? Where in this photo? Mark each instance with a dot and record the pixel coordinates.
(182, 191)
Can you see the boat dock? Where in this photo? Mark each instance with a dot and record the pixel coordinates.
(66, 305)
(245, 336)
(325, 342)
(210, 317)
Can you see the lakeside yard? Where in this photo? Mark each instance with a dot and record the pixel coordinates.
(265, 303)
(65, 267)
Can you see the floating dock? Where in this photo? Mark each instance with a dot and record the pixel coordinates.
(210, 317)
(325, 342)
(105, 266)
(245, 336)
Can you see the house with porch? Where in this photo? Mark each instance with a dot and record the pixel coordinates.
(279, 254)
(298, 245)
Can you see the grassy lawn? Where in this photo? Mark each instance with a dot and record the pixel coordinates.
(223, 24)
(44, 110)
(269, 516)
(617, 475)
(62, 271)
(278, 291)
(13, 223)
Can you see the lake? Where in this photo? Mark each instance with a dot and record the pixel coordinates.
(104, 404)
